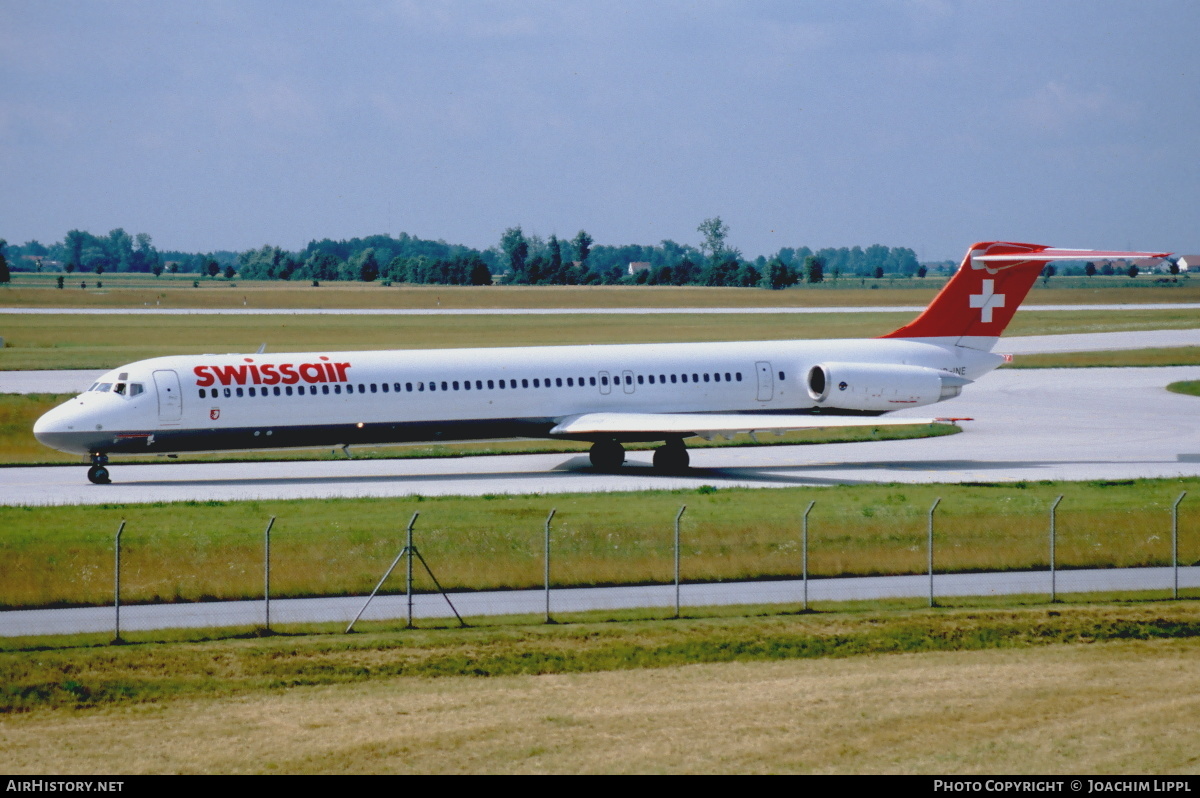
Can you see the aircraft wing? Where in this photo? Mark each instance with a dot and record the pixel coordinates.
(710, 425)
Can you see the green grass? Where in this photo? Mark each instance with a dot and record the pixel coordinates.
(132, 291)
(1166, 356)
(1189, 387)
(70, 341)
(60, 556)
(89, 676)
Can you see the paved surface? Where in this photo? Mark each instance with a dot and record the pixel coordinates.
(65, 381)
(1068, 424)
(533, 602)
(247, 311)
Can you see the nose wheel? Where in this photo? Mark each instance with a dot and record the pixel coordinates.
(98, 473)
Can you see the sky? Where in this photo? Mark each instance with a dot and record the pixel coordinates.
(927, 124)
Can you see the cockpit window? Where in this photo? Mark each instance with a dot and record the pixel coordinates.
(120, 388)
(94, 385)
(135, 388)
(104, 387)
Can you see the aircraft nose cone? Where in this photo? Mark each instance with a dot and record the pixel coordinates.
(58, 430)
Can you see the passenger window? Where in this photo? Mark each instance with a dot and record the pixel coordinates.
(706, 377)
(781, 376)
(535, 382)
(202, 394)
(695, 378)
(558, 381)
(490, 385)
(325, 389)
(407, 386)
(603, 380)
(570, 382)
(228, 393)
(251, 391)
(592, 381)
(738, 374)
(524, 383)
(239, 392)
(717, 377)
(444, 388)
(641, 380)
(455, 385)
(683, 377)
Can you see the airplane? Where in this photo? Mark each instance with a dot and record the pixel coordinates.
(608, 395)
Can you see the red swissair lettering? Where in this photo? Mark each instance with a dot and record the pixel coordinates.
(271, 373)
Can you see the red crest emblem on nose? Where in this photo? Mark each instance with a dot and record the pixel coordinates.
(215, 413)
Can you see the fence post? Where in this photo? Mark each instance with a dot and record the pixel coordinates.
(677, 517)
(1053, 545)
(117, 581)
(408, 549)
(267, 573)
(546, 561)
(1175, 542)
(804, 552)
(936, 502)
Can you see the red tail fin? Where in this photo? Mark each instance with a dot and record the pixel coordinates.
(980, 299)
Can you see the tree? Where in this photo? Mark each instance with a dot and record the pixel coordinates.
(1132, 271)
(582, 242)
(516, 250)
(714, 232)
(4, 273)
(778, 275)
(922, 271)
(814, 269)
(1090, 269)
(229, 272)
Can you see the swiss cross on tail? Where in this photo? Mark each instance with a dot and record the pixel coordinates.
(979, 301)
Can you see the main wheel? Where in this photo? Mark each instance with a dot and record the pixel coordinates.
(607, 455)
(671, 458)
(98, 475)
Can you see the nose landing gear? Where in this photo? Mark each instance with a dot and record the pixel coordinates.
(98, 474)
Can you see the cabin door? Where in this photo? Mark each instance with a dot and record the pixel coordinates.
(170, 398)
(766, 381)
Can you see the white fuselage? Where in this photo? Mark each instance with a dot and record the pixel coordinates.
(223, 402)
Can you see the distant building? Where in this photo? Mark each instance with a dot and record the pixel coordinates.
(636, 266)
(1188, 262)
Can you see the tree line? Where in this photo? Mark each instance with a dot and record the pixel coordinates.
(517, 259)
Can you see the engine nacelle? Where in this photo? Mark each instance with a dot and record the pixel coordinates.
(878, 387)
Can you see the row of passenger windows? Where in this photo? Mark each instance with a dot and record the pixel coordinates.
(478, 385)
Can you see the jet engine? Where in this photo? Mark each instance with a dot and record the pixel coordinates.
(879, 387)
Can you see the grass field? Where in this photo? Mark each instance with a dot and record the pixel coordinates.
(59, 556)
(1073, 689)
(70, 341)
(131, 291)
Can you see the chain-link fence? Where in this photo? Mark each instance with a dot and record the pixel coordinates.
(528, 561)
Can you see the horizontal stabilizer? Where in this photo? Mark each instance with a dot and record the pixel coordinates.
(708, 424)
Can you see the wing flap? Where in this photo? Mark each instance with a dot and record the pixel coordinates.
(708, 424)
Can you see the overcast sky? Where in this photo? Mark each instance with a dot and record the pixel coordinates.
(928, 124)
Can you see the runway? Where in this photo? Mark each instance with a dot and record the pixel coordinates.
(215, 614)
(1038, 424)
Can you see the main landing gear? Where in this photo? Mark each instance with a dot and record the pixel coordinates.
(670, 458)
(98, 474)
